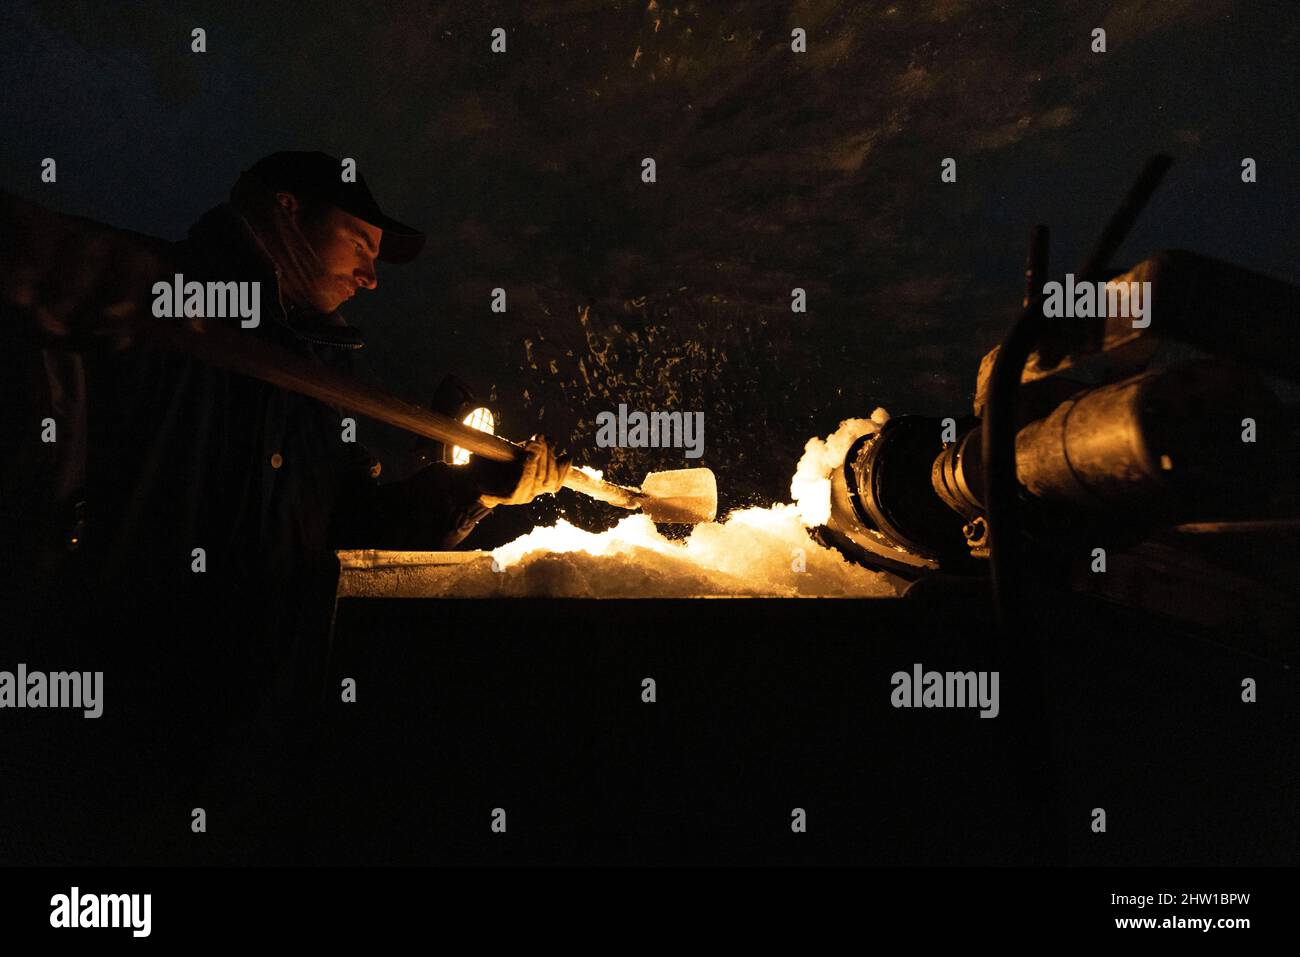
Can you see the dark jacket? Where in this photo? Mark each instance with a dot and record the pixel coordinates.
(162, 455)
(199, 445)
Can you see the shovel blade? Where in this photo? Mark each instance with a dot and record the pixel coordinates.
(687, 496)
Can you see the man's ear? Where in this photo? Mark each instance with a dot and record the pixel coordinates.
(288, 201)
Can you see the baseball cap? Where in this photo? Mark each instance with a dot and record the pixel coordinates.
(320, 176)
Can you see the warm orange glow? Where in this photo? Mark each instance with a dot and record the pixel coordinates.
(760, 549)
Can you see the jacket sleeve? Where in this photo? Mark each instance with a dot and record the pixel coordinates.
(67, 281)
(432, 510)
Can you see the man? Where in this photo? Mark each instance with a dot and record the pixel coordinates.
(178, 533)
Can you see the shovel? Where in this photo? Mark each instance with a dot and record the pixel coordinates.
(687, 496)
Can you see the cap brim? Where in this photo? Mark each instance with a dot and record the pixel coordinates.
(399, 243)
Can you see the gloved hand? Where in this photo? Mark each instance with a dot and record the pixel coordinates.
(541, 471)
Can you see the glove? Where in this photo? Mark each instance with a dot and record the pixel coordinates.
(516, 483)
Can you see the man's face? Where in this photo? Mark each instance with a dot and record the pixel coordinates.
(346, 247)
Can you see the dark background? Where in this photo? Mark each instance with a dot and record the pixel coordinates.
(775, 170)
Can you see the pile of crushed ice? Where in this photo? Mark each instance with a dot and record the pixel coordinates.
(752, 552)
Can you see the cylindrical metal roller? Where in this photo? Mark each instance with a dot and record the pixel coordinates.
(1170, 434)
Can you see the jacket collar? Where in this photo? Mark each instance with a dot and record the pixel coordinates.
(223, 243)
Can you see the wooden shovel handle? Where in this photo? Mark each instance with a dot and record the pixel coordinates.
(217, 344)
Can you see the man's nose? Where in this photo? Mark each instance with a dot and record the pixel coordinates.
(365, 276)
